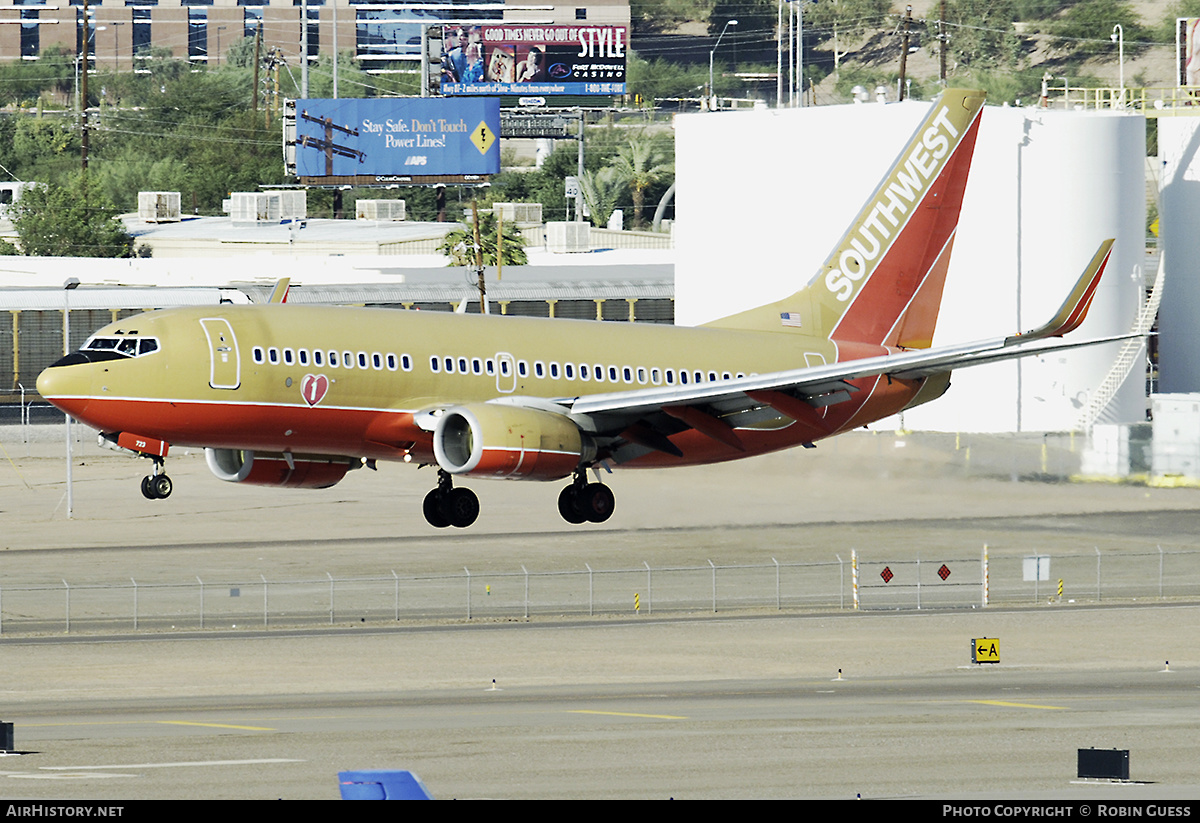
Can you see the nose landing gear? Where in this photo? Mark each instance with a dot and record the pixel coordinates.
(157, 486)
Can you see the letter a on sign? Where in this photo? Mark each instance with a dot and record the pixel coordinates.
(985, 650)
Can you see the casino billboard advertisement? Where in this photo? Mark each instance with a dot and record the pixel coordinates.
(1187, 47)
(533, 60)
(396, 139)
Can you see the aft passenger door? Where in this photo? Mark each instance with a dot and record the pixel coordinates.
(225, 370)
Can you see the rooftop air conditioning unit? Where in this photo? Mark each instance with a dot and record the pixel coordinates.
(520, 213)
(253, 207)
(158, 206)
(268, 206)
(379, 210)
(568, 237)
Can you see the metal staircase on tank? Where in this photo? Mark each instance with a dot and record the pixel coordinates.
(1130, 355)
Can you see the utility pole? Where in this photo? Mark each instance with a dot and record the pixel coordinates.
(257, 61)
(479, 259)
(942, 41)
(904, 50)
(83, 92)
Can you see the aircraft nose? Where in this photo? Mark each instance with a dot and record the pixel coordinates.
(64, 386)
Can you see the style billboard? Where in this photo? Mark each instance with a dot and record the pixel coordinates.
(533, 60)
(1187, 49)
(395, 139)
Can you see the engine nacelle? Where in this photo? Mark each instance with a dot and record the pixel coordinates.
(303, 472)
(497, 440)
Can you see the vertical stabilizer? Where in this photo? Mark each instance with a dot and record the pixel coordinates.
(882, 283)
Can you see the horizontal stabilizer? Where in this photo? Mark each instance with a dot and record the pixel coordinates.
(280, 293)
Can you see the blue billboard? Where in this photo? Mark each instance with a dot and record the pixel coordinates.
(393, 137)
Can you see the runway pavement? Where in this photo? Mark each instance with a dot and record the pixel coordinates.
(697, 706)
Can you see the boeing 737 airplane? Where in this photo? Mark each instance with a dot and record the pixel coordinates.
(290, 395)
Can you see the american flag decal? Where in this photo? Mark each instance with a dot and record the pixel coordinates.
(790, 318)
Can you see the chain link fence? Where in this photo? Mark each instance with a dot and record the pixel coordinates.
(867, 583)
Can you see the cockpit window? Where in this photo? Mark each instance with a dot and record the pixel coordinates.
(128, 345)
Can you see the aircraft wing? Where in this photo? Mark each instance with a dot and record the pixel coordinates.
(816, 382)
(716, 408)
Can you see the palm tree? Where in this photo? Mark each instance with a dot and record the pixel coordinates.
(459, 245)
(637, 164)
(601, 192)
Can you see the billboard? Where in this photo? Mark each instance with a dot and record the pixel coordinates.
(396, 139)
(533, 60)
(1187, 47)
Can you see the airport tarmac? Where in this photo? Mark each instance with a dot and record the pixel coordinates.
(691, 706)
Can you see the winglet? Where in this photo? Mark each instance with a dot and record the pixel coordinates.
(1073, 311)
(279, 295)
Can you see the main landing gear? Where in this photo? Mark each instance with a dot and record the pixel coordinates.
(585, 502)
(580, 502)
(448, 506)
(157, 486)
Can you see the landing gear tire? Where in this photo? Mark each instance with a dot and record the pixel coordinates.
(162, 486)
(568, 506)
(588, 502)
(596, 501)
(448, 506)
(156, 487)
(432, 508)
(462, 507)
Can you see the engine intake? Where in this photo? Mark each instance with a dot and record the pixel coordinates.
(497, 440)
(297, 472)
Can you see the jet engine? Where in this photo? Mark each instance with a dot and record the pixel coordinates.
(292, 471)
(498, 440)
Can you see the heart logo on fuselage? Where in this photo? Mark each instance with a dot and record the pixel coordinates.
(313, 388)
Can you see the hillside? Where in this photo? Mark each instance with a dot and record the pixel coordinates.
(1090, 60)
